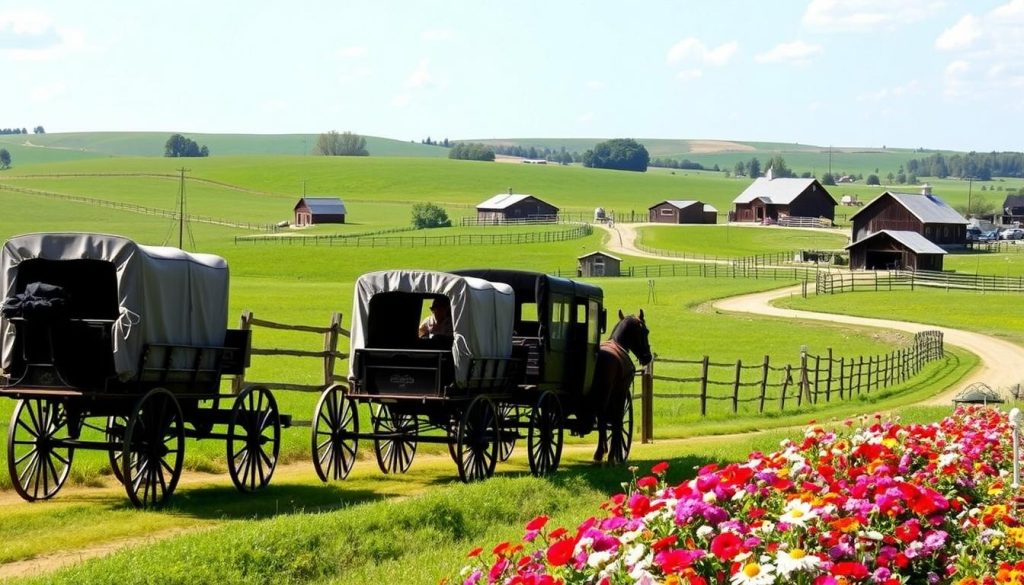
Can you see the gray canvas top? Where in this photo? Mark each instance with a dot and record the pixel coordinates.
(927, 208)
(324, 205)
(165, 295)
(776, 191)
(912, 240)
(482, 312)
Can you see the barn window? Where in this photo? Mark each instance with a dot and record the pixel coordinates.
(666, 211)
(945, 231)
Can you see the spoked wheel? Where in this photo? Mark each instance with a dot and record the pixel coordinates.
(254, 438)
(621, 439)
(154, 449)
(38, 458)
(545, 436)
(477, 440)
(335, 440)
(395, 453)
(115, 434)
(507, 414)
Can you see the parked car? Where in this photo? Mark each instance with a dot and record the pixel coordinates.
(973, 234)
(1012, 234)
(989, 236)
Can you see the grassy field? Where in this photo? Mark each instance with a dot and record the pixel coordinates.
(1006, 263)
(713, 241)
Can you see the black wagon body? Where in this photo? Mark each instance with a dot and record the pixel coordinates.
(528, 380)
(113, 346)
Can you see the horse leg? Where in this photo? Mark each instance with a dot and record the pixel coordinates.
(615, 413)
(602, 441)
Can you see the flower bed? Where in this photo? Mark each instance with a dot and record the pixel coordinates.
(886, 504)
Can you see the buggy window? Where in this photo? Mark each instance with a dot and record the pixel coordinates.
(90, 285)
(395, 318)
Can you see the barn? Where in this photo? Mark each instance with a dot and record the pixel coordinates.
(924, 214)
(598, 264)
(508, 207)
(895, 250)
(768, 198)
(1013, 209)
(317, 210)
(682, 212)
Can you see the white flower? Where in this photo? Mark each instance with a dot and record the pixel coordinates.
(798, 513)
(628, 537)
(634, 554)
(704, 531)
(710, 497)
(796, 560)
(947, 459)
(768, 527)
(754, 574)
(599, 559)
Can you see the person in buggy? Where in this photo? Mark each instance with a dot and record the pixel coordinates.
(439, 322)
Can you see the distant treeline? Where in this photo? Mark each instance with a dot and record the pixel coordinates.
(36, 130)
(471, 151)
(975, 165)
(685, 164)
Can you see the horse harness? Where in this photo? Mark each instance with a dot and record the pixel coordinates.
(621, 354)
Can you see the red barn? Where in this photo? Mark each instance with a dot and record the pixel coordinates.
(682, 212)
(315, 210)
(510, 206)
(925, 214)
(768, 198)
(895, 250)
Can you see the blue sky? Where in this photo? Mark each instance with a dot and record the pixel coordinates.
(908, 73)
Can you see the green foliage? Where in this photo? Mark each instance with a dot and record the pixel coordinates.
(872, 180)
(179, 146)
(828, 179)
(623, 154)
(471, 151)
(428, 215)
(5, 158)
(344, 144)
(754, 168)
(779, 168)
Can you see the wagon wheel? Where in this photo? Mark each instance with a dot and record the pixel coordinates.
(452, 430)
(394, 454)
(38, 458)
(154, 449)
(621, 439)
(544, 439)
(115, 434)
(254, 438)
(477, 440)
(507, 414)
(335, 440)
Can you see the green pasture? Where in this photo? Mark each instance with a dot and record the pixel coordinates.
(1006, 263)
(730, 241)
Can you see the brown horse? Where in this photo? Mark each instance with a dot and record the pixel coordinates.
(613, 377)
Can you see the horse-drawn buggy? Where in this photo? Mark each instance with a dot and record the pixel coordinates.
(521, 359)
(118, 347)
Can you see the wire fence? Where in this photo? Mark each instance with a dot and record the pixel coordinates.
(377, 241)
(830, 283)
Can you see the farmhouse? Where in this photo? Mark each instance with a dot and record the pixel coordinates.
(768, 199)
(924, 214)
(598, 264)
(317, 210)
(895, 250)
(682, 212)
(510, 206)
(1013, 209)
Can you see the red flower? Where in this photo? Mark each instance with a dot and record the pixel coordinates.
(726, 545)
(664, 543)
(557, 533)
(660, 468)
(501, 548)
(475, 552)
(537, 523)
(647, 482)
(851, 569)
(560, 552)
(908, 531)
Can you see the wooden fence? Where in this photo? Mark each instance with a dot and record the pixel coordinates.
(815, 379)
(574, 233)
(885, 280)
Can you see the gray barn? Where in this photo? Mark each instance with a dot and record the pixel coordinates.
(598, 264)
(682, 212)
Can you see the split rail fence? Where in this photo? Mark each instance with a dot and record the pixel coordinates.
(573, 233)
(886, 280)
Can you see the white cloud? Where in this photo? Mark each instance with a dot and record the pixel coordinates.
(437, 35)
(955, 73)
(959, 36)
(45, 93)
(595, 85)
(421, 77)
(887, 93)
(1013, 10)
(867, 15)
(689, 74)
(797, 53)
(585, 118)
(28, 35)
(353, 52)
(401, 100)
(693, 49)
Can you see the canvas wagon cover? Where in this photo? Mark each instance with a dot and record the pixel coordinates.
(165, 295)
(482, 311)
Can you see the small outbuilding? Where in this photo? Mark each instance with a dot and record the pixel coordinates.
(1013, 209)
(895, 250)
(682, 212)
(317, 210)
(768, 198)
(510, 207)
(925, 214)
(598, 264)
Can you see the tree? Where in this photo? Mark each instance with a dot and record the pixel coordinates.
(624, 154)
(428, 215)
(754, 168)
(740, 169)
(872, 180)
(828, 179)
(5, 159)
(471, 151)
(780, 169)
(179, 146)
(38, 130)
(344, 144)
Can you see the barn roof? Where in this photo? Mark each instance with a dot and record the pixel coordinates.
(927, 208)
(599, 253)
(504, 201)
(1013, 201)
(912, 240)
(775, 191)
(684, 204)
(323, 205)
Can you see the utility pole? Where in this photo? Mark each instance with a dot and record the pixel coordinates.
(181, 208)
(970, 185)
(830, 160)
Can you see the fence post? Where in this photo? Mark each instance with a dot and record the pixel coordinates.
(828, 381)
(704, 387)
(331, 346)
(245, 324)
(764, 383)
(860, 373)
(736, 388)
(785, 386)
(817, 373)
(647, 403)
(842, 377)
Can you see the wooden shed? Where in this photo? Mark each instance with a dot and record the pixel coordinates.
(508, 207)
(682, 212)
(924, 214)
(895, 250)
(1013, 209)
(598, 264)
(768, 198)
(317, 210)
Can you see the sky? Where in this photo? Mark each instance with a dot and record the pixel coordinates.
(902, 73)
